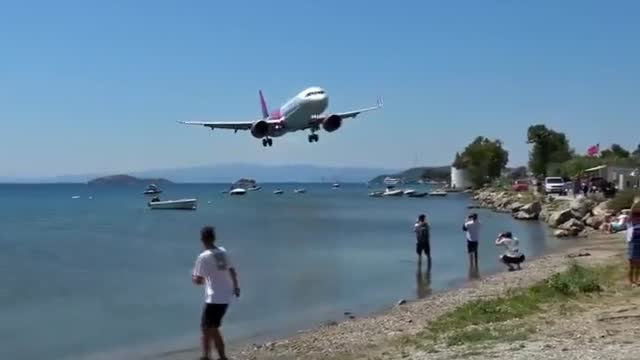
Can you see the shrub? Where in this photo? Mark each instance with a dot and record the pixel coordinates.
(623, 200)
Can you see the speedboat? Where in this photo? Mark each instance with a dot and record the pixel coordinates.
(152, 190)
(390, 192)
(438, 193)
(409, 192)
(181, 204)
(376, 194)
(238, 191)
(300, 191)
(255, 188)
(335, 186)
(278, 192)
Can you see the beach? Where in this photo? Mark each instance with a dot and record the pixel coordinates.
(380, 336)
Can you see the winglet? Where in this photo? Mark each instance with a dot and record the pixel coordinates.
(379, 103)
(263, 104)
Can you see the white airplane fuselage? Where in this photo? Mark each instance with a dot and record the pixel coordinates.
(297, 113)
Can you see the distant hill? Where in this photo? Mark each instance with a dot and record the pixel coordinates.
(229, 173)
(127, 180)
(412, 175)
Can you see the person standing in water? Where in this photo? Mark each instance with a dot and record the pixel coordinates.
(472, 227)
(423, 245)
(214, 270)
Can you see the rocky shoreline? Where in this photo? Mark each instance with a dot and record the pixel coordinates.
(570, 217)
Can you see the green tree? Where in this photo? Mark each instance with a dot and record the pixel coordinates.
(636, 152)
(549, 147)
(458, 162)
(616, 151)
(485, 159)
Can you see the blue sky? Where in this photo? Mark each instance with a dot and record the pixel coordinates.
(99, 86)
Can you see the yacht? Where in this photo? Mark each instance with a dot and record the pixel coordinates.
(335, 186)
(391, 181)
(278, 192)
(152, 189)
(300, 191)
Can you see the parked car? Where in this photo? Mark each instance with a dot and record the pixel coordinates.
(520, 185)
(554, 185)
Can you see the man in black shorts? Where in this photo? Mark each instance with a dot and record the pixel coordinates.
(214, 270)
(423, 245)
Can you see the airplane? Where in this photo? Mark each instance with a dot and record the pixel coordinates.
(305, 111)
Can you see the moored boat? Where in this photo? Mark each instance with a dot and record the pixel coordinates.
(278, 192)
(152, 189)
(181, 204)
(238, 191)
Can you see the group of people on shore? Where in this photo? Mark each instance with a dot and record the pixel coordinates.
(214, 270)
(512, 257)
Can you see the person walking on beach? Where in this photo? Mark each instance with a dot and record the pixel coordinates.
(512, 255)
(472, 228)
(423, 245)
(633, 245)
(214, 270)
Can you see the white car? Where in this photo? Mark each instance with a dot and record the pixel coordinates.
(554, 185)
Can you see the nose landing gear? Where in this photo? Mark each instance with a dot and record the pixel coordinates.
(313, 138)
(267, 142)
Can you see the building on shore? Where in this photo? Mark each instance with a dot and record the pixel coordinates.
(623, 177)
(460, 178)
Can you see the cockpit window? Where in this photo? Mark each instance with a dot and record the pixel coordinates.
(319, 92)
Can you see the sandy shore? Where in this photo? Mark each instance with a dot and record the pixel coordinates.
(356, 338)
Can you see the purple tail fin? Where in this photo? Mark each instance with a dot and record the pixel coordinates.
(263, 104)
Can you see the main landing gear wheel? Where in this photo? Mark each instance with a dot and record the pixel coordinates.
(313, 138)
(267, 142)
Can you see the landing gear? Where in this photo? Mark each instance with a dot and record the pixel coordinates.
(313, 138)
(267, 142)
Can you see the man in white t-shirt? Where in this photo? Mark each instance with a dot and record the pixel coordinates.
(214, 270)
(472, 228)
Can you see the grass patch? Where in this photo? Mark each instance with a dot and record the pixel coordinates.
(485, 320)
(623, 200)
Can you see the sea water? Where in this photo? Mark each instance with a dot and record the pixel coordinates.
(102, 274)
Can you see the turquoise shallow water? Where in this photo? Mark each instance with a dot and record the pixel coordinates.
(90, 278)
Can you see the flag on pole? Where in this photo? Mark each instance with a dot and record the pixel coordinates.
(593, 150)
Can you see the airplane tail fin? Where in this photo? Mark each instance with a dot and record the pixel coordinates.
(263, 104)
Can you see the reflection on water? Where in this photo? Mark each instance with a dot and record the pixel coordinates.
(423, 282)
(474, 272)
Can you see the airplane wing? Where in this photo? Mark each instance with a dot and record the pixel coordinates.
(232, 125)
(352, 114)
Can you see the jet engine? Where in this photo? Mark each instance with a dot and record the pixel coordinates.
(260, 129)
(332, 123)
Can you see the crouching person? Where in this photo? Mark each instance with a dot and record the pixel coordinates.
(512, 256)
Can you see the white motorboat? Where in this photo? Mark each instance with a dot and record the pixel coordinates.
(238, 191)
(409, 192)
(181, 204)
(255, 188)
(376, 194)
(438, 193)
(335, 186)
(390, 192)
(278, 192)
(152, 189)
(300, 191)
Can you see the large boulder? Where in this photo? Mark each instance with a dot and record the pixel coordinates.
(523, 215)
(581, 206)
(595, 221)
(601, 209)
(561, 233)
(571, 225)
(515, 207)
(532, 208)
(560, 217)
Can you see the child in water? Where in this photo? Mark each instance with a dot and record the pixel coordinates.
(512, 255)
